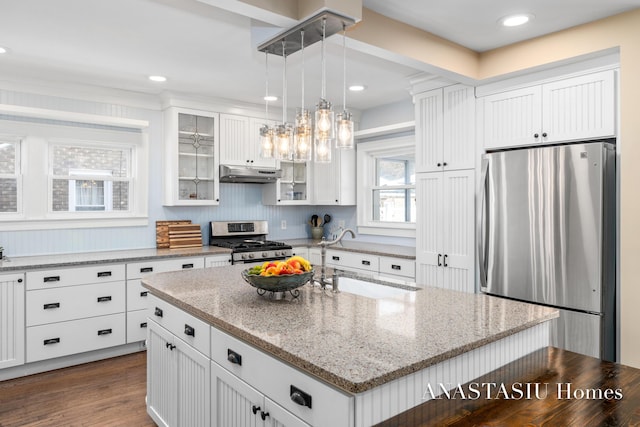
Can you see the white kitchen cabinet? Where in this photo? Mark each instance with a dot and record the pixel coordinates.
(356, 262)
(235, 403)
(571, 109)
(445, 129)
(138, 296)
(74, 310)
(397, 267)
(444, 233)
(302, 251)
(315, 256)
(240, 141)
(190, 157)
(178, 380)
(217, 260)
(293, 188)
(12, 332)
(334, 183)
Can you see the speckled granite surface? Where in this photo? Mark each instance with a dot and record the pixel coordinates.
(85, 258)
(381, 249)
(352, 342)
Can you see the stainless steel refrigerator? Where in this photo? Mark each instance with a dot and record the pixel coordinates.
(546, 234)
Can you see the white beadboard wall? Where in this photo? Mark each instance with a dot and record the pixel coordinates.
(238, 201)
(390, 399)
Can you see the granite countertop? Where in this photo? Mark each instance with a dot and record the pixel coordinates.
(352, 342)
(103, 257)
(398, 251)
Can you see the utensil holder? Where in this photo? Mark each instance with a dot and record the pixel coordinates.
(317, 233)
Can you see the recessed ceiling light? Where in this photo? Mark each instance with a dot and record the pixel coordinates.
(3, 49)
(516, 20)
(356, 88)
(158, 78)
(270, 98)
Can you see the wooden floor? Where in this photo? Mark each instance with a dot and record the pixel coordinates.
(105, 393)
(112, 393)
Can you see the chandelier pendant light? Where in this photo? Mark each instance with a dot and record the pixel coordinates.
(302, 128)
(344, 123)
(267, 133)
(324, 117)
(284, 132)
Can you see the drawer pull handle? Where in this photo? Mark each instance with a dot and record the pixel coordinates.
(52, 305)
(52, 279)
(188, 330)
(264, 415)
(104, 331)
(300, 397)
(146, 269)
(104, 299)
(234, 358)
(104, 274)
(144, 293)
(365, 262)
(185, 266)
(52, 341)
(255, 409)
(335, 258)
(395, 267)
(143, 324)
(158, 312)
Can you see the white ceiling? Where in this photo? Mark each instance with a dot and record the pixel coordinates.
(208, 51)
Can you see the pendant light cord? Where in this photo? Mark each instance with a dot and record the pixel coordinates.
(344, 67)
(266, 85)
(324, 24)
(302, 53)
(284, 83)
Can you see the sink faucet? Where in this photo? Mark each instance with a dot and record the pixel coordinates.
(323, 282)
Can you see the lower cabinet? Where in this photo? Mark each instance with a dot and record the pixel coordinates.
(11, 320)
(235, 403)
(178, 380)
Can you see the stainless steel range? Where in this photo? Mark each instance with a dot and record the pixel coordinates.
(247, 240)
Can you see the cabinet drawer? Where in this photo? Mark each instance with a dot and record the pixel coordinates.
(218, 261)
(74, 302)
(397, 267)
(346, 259)
(45, 279)
(275, 380)
(136, 326)
(136, 295)
(75, 336)
(191, 330)
(137, 270)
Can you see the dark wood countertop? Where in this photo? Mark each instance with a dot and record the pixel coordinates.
(558, 373)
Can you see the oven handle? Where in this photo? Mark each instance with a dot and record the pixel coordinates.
(256, 261)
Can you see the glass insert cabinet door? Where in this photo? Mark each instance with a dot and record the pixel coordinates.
(196, 157)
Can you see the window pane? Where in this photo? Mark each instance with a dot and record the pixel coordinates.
(66, 158)
(7, 158)
(394, 205)
(395, 171)
(8, 195)
(89, 195)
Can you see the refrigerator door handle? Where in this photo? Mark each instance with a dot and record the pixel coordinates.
(480, 230)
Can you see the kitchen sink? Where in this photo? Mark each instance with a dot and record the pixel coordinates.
(373, 290)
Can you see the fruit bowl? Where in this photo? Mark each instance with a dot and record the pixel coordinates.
(281, 283)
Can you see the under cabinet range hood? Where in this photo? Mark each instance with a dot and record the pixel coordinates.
(245, 174)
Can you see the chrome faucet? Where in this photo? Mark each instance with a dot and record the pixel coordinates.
(323, 282)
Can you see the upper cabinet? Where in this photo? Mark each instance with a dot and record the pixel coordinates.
(445, 121)
(190, 157)
(571, 109)
(240, 141)
(293, 188)
(335, 183)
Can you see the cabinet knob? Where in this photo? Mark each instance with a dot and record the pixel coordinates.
(544, 134)
(264, 415)
(444, 164)
(19, 280)
(255, 409)
(439, 164)
(535, 135)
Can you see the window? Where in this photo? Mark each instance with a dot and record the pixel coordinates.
(9, 177)
(72, 170)
(386, 184)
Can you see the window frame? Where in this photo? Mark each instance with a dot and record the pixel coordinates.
(39, 129)
(367, 153)
(16, 141)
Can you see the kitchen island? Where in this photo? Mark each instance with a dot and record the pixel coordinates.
(332, 358)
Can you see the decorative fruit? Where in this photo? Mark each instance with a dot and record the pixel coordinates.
(293, 265)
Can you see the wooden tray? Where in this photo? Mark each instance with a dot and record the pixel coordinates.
(184, 236)
(162, 231)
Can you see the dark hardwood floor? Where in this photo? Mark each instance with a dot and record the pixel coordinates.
(105, 393)
(112, 393)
